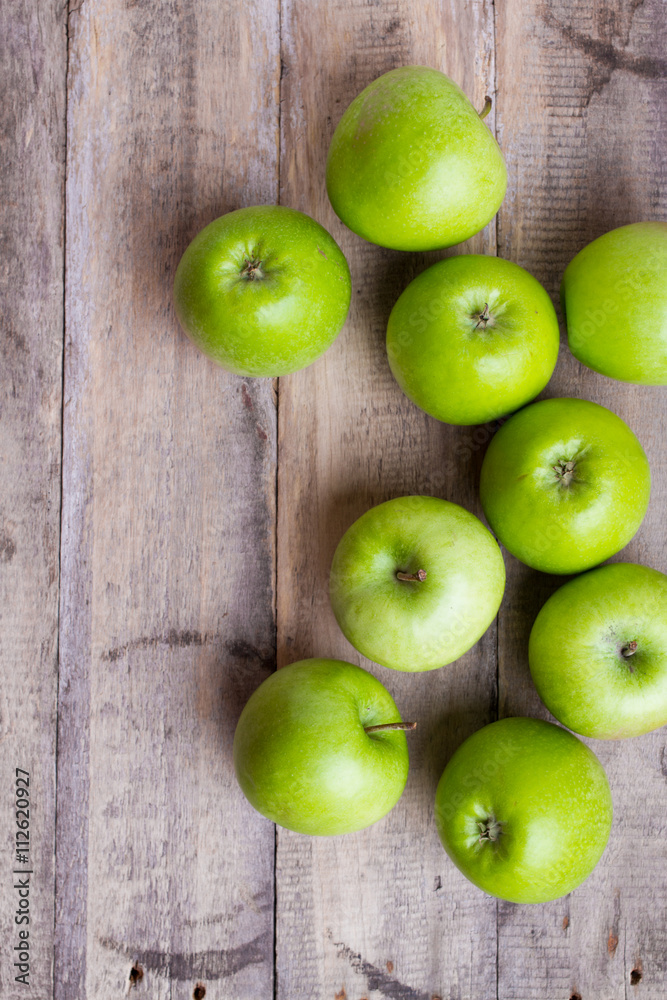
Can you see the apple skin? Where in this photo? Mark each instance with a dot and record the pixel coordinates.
(263, 291)
(412, 166)
(549, 792)
(302, 756)
(547, 519)
(584, 668)
(614, 296)
(454, 362)
(415, 626)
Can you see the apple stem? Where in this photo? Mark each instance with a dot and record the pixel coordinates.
(387, 726)
(417, 577)
(629, 649)
(488, 104)
(483, 317)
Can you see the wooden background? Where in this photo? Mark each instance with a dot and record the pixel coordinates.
(166, 529)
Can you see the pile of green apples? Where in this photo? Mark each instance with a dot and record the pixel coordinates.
(524, 807)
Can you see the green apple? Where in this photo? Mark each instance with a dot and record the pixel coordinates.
(415, 582)
(565, 484)
(412, 165)
(472, 339)
(614, 296)
(320, 748)
(524, 810)
(263, 291)
(598, 652)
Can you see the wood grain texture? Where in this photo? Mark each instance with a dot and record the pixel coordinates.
(381, 913)
(582, 100)
(33, 54)
(177, 112)
(167, 620)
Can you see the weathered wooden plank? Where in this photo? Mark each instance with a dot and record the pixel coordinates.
(168, 527)
(382, 912)
(33, 56)
(581, 116)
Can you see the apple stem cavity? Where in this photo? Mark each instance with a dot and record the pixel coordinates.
(565, 472)
(490, 829)
(488, 104)
(252, 269)
(417, 577)
(388, 726)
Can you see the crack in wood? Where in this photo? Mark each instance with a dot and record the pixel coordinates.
(612, 940)
(240, 649)
(173, 638)
(607, 57)
(7, 548)
(202, 965)
(376, 978)
(246, 397)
